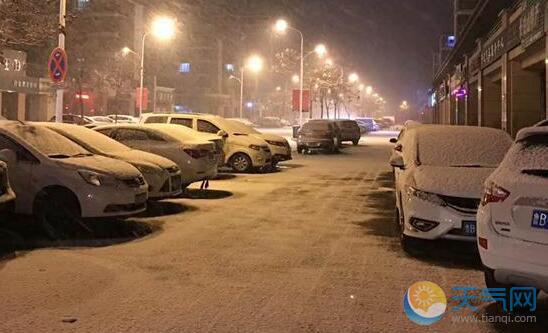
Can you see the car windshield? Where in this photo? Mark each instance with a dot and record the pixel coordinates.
(93, 139)
(47, 141)
(465, 147)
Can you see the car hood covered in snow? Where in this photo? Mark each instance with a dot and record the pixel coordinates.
(464, 182)
(100, 164)
(269, 137)
(139, 156)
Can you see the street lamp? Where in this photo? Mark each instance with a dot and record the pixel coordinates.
(163, 28)
(255, 64)
(368, 90)
(295, 79)
(320, 50)
(353, 78)
(282, 26)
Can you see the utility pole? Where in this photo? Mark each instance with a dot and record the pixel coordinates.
(60, 90)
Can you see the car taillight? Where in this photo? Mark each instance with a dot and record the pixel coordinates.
(196, 153)
(494, 193)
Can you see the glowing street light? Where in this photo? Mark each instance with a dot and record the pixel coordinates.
(281, 26)
(163, 28)
(295, 79)
(404, 106)
(126, 50)
(353, 78)
(255, 64)
(320, 50)
(368, 90)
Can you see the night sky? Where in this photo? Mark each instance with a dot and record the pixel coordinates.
(389, 42)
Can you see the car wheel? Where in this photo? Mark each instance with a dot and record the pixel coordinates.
(240, 162)
(300, 150)
(58, 213)
(355, 142)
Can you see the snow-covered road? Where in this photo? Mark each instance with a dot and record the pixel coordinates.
(311, 248)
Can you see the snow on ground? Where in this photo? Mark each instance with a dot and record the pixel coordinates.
(311, 248)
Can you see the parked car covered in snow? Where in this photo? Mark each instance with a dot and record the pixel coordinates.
(6, 193)
(318, 134)
(74, 119)
(197, 158)
(244, 150)
(58, 180)
(349, 131)
(513, 216)
(162, 175)
(123, 119)
(367, 125)
(438, 179)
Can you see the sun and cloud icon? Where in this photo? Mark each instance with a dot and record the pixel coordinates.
(424, 303)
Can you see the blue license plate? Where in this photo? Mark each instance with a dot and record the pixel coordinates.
(540, 219)
(469, 228)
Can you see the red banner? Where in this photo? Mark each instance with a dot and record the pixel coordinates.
(138, 98)
(306, 100)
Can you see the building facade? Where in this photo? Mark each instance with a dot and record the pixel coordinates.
(495, 76)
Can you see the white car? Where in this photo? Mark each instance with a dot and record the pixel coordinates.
(162, 175)
(101, 120)
(513, 216)
(123, 119)
(438, 179)
(56, 179)
(6, 193)
(243, 151)
(244, 121)
(197, 158)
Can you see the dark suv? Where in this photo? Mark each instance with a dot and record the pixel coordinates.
(349, 131)
(318, 134)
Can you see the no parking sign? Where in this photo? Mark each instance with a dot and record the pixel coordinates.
(58, 65)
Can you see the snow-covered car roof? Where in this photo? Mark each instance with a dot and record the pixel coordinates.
(530, 131)
(445, 145)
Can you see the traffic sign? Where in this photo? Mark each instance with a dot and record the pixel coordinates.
(58, 65)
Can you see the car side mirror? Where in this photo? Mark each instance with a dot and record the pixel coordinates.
(397, 161)
(8, 156)
(393, 140)
(222, 133)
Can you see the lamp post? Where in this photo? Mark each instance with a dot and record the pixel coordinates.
(282, 26)
(254, 64)
(162, 28)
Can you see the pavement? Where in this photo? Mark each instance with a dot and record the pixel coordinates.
(310, 248)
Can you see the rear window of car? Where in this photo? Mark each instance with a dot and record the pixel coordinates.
(182, 121)
(348, 124)
(323, 126)
(530, 153)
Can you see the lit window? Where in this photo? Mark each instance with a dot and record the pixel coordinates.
(229, 67)
(184, 67)
(81, 4)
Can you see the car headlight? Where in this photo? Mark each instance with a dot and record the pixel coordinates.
(255, 147)
(95, 178)
(275, 143)
(426, 196)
